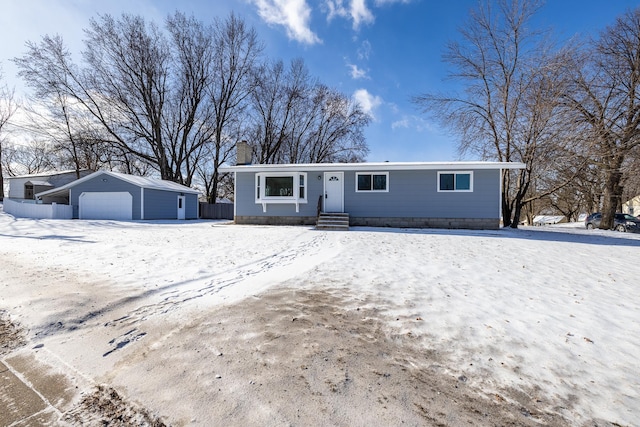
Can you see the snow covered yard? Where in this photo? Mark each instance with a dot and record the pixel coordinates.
(210, 323)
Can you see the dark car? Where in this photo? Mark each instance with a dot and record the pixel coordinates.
(621, 222)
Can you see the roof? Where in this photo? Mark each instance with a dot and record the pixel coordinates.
(44, 174)
(39, 183)
(139, 181)
(380, 166)
(547, 219)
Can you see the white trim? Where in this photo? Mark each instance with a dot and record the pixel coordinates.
(141, 202)
(386, 190)
(382, 166)
(260, 185)
(454, 173)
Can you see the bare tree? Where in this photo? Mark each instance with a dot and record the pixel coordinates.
(274, 98)
(509, 110)
(7, 110)
(236, 53)
(148, 94)
(606, 97)
(296, 119)
(28, 158)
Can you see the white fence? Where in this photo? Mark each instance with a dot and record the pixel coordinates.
(29, 209)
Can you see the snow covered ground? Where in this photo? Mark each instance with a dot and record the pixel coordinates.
(540, 317)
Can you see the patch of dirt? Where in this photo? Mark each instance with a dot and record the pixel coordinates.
(105, 407)
(319, 348)
(12, 336)
(314, 357)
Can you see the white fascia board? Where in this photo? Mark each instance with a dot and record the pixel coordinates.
(382, 166)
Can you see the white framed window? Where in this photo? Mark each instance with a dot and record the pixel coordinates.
(372, 182)
(459, 181)
(281, 187)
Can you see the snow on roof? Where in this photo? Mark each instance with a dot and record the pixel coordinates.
(43, 174)
(157, 184)
(373, 166)
(140, 181)
(40, 183)
(547, 219)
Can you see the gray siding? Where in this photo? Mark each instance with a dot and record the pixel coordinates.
(192, 206)
(105, 183)
(414, 194)
(246, 198)
(161, 204)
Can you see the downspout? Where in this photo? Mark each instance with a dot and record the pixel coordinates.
(500, 171)
(235, 193)
(141, 203)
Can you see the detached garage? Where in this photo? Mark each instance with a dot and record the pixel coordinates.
(117, 196)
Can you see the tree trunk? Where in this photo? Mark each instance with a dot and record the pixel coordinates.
(504, 194)
(612, 194)
(1, 176)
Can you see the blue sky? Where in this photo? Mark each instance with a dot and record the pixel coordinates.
(381, 52)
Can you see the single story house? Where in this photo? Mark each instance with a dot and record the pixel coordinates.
(25, 187)
(413, 194)
(632, 206)
(111, 195)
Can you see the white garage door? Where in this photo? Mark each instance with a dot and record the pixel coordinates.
(105, 206)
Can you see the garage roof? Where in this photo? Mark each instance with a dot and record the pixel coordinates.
(139, 181)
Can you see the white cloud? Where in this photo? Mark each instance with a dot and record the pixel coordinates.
(294, 15)
(357, 73)
(364, 51)
(414, 122)
(356, 10)
(386, 2)
(360, 13)
(368, 102)
(404, 123)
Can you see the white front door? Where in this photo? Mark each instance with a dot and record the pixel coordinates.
(333, 192)
(181, 207)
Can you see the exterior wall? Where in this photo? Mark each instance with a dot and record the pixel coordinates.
(276, 220)
(16, 185)
(105, 183)
(414, 194)
(632, 207)
(193, 206)
(160, 204)
(412, 222)
(246, 205)
(413, 200)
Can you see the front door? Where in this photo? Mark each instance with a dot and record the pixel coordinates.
(334, 192)
(181, 207)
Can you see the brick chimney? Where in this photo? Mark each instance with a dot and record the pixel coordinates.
(243, 153)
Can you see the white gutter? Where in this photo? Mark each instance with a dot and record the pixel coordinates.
(386, 166)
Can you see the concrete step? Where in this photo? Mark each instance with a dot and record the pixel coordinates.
(333, 221)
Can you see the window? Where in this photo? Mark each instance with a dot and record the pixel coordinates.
(275, 186)
(455, 181)
(369, 181)
(281, 187)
